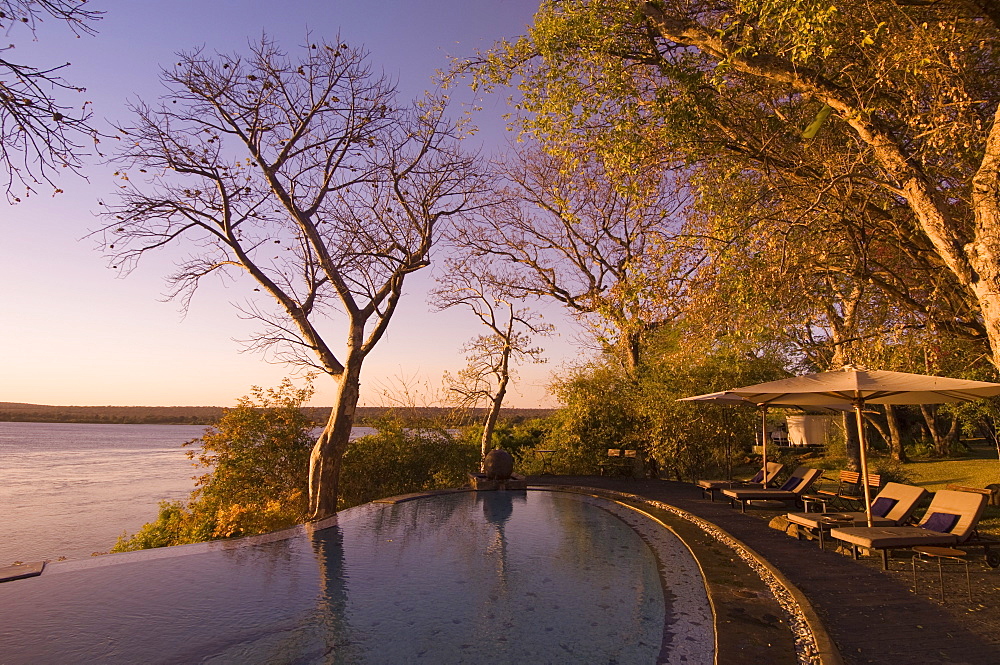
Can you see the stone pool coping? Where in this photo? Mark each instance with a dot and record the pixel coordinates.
(729, 585)
(872, 616)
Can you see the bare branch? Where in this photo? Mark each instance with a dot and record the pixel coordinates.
(305, 175)
(40, 134)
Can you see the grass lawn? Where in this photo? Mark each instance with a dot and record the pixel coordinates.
(979, 469)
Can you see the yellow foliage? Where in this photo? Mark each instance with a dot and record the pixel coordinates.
(239, 519)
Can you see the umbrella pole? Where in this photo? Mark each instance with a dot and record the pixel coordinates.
(864, 459)
(763, 442)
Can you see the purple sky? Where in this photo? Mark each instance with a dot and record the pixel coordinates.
(76, 333)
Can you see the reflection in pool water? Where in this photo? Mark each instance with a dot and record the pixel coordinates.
(499, 577)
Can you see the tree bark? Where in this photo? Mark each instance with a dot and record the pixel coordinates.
(851, 442)
(896, 447)
(944, 442)
(327, 454)
(494, 414)
(984, 251)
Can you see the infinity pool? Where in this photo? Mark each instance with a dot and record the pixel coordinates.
(487, 577)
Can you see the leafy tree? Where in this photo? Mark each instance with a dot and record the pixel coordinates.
(521, 438)
(600, 411)
(311, 178)
(789, 93)
(818, 277)
(257, 456)
(603, 242)
(39, 132)
(922, 351)
(605, 407)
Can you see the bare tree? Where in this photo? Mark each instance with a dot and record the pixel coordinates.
(308, 176)
(39, 134)
(604, 244)
(488, 295)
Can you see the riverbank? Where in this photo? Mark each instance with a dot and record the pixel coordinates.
(16, 412)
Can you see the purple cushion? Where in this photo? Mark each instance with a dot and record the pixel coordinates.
(758, 478)
(882, 505)
(791, 483)
(940, 522)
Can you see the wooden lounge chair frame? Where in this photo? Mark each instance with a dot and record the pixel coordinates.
(989, 544)
(853, 499)
(907, 498)
(848, 491)
(619, 460)
(968, 506)
(799, 482)
(709, 487)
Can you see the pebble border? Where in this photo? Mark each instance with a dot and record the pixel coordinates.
(806, 647)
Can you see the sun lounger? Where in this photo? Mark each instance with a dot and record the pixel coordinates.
(709, 487)
(950, 519)
(801, 480)
(893, 506)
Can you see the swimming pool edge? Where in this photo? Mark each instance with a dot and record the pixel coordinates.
(824, 648)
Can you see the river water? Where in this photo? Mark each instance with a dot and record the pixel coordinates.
(69, 490)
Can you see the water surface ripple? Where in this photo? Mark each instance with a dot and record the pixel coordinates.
(539, 577)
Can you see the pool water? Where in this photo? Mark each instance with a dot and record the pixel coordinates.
(487, 577)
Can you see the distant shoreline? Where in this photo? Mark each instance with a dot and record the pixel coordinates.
(207, 415)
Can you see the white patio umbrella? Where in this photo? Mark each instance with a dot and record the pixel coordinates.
(727, 397)
(730, 397)
(859, 387)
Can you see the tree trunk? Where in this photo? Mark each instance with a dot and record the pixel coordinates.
(629, 349)
(492, 416)
(328, 453)
(896, 448)
(984, 251)
(951, 438)
(944, 442)
(851, 441)
(880, 427)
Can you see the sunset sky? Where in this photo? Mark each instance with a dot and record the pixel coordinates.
(75, 332)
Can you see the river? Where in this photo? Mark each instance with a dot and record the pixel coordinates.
(69, 490)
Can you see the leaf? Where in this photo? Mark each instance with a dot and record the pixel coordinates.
(813, 129)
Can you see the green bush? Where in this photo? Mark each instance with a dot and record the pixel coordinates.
(890, 470)
(606, 406)
(513, 437)
(401, 459)
(174, 525)
(258, 461)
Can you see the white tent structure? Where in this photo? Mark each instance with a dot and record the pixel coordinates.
(807, 430)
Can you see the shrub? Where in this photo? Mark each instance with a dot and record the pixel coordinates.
(890, 470)
(174, 525)
(399, 460)
(606, 407)
(258, 461)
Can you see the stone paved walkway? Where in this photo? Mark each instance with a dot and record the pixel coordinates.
(873, 616)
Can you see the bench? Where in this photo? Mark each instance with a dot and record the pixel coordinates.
(848, 490)
(622, 462)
